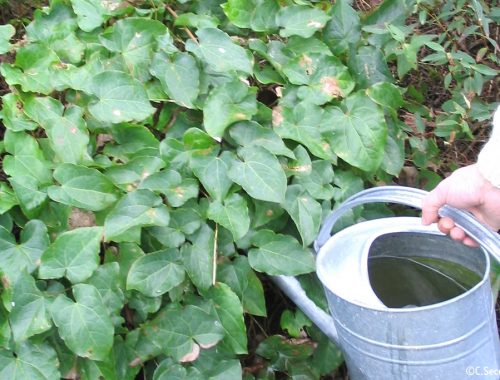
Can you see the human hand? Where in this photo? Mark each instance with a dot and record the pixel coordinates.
(465, 189)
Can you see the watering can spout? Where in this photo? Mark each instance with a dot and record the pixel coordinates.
(292, 288)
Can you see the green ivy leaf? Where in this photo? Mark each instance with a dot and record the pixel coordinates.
(359, 132)
(260, 174)
(198, 257)
(170, 183)
(5, 332)
(199, 325)
(135, 171)
(279, 255)
(137, 209)
(178, 195)
(266, 212)
(301, 124)
(26, 255)
(31, 198)
(325, 77)
(90, 13)
(220, 53)
(228, 308)
(258, 15)
(212, 172)
(134, 39)
(26, 158)
(82, 187)
(74, 254)
(106, 279)
(344, 28)
(318, 182)
(155, 273)
(43, 109)
(55, 24)
(29, 315)
(300, 20)
(69, 137)
(30, 361)
(168, 370)
(218, 366)
(6, 33)
(226, 104)
(197, 21)
(244, 282)
(179, 76)
(248, 133)
(385, 94)
(305, 212)
(13, 116)
(33, 69)
(369, 66)
(232, 214)
(120, 98)
(282, 353)
(7, 198)
(294, 323)
(84, 325)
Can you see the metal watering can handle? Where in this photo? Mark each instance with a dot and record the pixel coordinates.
(487, 238)
(408, 196)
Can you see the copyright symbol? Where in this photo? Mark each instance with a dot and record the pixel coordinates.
(470, 371)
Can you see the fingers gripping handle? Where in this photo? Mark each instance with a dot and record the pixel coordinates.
(487, 238)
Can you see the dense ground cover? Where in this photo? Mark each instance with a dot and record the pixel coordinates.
(160, 158)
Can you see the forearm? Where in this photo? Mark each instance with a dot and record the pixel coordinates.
(489, 158)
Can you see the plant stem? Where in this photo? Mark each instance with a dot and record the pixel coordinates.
(214, 270)
(189, 33)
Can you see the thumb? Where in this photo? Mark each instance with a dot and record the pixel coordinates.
(431, 204)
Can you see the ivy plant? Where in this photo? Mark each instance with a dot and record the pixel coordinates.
(160, 158)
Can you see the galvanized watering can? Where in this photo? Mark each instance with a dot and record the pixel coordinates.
(454, 338)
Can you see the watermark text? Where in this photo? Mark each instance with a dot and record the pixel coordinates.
(482, 371)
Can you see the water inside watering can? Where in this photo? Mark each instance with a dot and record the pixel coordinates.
(408, 269)
(418, 281)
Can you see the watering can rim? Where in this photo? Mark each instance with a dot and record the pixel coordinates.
(418, 228)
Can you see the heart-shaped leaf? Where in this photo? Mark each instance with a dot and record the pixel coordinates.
(260, 174)
(221, 53)
(29, 315)
(305, 212)
(30, 361)
(134, 210)
(74, 254)
(120, 98)
(226, 104)
(26, 254)
(232, 214)
(84, 324)
(300, 20)
(82, 187)
(155, 273)
(279, 255)
(179, 76)
(359, 132)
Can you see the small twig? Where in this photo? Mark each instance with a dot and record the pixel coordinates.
(172, 121)
(214, 270)
(186, 29)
